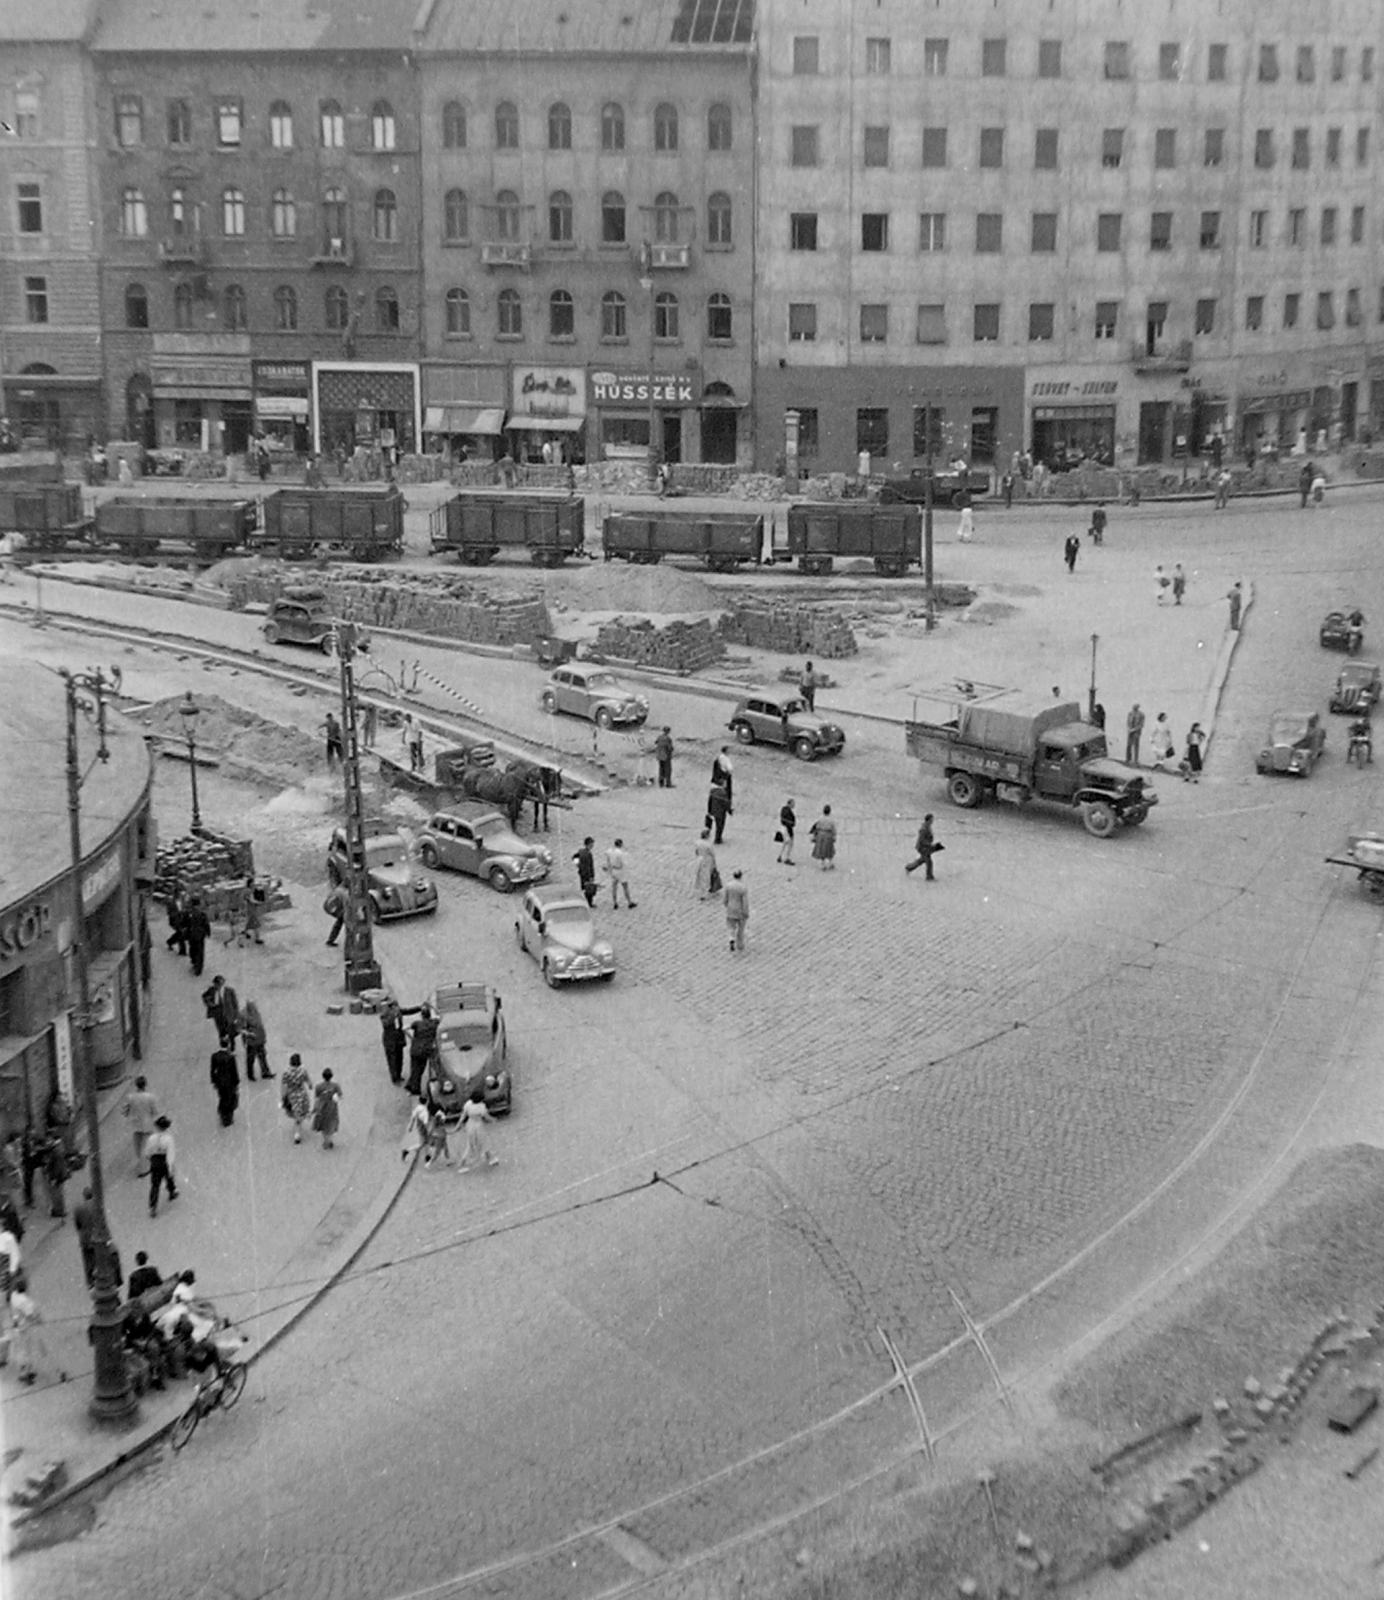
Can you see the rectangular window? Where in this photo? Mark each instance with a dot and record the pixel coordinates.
(1297, 225)
(29, 207)
(1213, 151)
(1108, 230)
(992, 57)
(874, 231)
(1333, 147)
(1263, 148)
(1362, 146)
(802, 230)
(1044, 238)
(1292, 304)
(932, 231)
(877, 53)
(26, 114)
(1302, 149)
(1367, 64)
(1112, 147)
(1328, 235)
(989, 233)
(987, 324)
(872, 430)
(1107, 318)
(1206, 317)
(1326, 310)
(1116, 59)
(809, 445)
(228, 123)
(1156, 320)
(1170, 62)
(874, 324)
(179, 122)
(1306, 64)
(1210, 230)
(929, 429)
(877, 146)
(1045, 149)
(1338, 63)
(1258, 229)
(129, 121)
(1216, 63)
(934, 147)
(1049, 58)
(1357, 224)
(802, 323)
(1165, 148)
(992, 147)
(804, 146)
(1040, 321)
(1352, 308)
(1254, 313)
(932, 326)
(935, 58)
(1268, 63)
(1161, 230)
(805, 55)
(36, 299)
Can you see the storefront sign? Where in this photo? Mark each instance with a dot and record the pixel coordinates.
(1296, 400)
(549, 392)
(281, 377)
(98, 881)
(281, 405)
(1091, 388)
(22, 929)
(632, 388)
(202, 375)
(62, 1054)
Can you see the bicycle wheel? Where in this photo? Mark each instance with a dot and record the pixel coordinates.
(186, 1425)
(232, 1385)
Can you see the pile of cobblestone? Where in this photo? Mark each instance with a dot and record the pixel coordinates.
(679, 647)
(792, 630)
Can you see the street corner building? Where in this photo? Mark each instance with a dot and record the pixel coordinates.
(40, 1011)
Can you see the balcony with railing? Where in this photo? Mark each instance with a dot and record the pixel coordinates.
(651, 257)
(184, 250)
(335, 251)
(507, 253)
(1162, 355)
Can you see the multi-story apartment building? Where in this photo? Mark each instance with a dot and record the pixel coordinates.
(259, 189)
(1085, 228)
(50, 235)
(588, 236)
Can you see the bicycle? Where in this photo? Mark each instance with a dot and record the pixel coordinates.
(222, 1389)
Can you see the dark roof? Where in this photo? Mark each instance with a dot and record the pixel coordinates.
(200, 27)
(45, 21)
(620, 27)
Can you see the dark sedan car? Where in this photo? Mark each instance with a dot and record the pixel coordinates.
(1357, 688)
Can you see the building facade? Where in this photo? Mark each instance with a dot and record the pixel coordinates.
(588, 237)
(50, 234)
(1087, 231)
(260, 198)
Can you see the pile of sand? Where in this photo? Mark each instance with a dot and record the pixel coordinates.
(615, 587)
(244, 741)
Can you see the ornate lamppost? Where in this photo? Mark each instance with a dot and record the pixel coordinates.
(189, 711)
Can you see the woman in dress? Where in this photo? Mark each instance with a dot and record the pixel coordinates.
(707, 872)
(326, 1111)
(416, 1134)
(824, 839)
(297, 1095)
(1191, 762)
(474, 1116)
(1162, 743)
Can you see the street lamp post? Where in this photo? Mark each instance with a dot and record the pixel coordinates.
(1095, 640)
(112, 1400)
(189, 711)
(931, 604)
(646, 282)
(362, 969)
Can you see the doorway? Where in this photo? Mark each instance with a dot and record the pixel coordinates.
(718, 435)
(672, 436)
(1153, 431)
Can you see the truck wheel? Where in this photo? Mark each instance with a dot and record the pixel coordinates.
(549, 701)
(428, 853)
(804, 749)
(964, 790)
(1099, 819)
(603, 717)
(1135, 815)
(271, 632)
(744, 733)
(498, 879)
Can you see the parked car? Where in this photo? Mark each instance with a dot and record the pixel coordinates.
(472, 1049)
(596, 694)
(555, 926)
(763, 718)
(394, 885)
(1343, 630)
(1296, 742)
(481, 842)
(300, 616)
(1357, 688)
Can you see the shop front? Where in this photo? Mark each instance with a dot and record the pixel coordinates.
(628, 405)
(547, 415)
(464, 410)
(202, 394)
(282, 406)
(359, 405)
(1072, 420)
(51, 410)
(1272, 424)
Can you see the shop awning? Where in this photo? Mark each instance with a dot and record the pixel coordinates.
(203, 391)
(548, 424)
(281, 405)
(464, 419)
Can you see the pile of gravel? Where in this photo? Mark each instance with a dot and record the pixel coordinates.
(616, 587)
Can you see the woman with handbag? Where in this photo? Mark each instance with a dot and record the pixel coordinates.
(296, 1098)
(326, 1111)
(708, 880)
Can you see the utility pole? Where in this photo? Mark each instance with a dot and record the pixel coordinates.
(112, 1400)
(362, 969)
(1095, 640)
(646, 282)
(931, 621)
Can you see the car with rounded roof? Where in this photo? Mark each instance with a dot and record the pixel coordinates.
(556, 927)
(596, 694)
(767, 717)
(301, 616)
(1296, 742)
(472, 1050)
(394, 886)
(479, 841)
(1357, 688)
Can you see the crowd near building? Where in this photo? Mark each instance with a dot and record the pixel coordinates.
(740, 230)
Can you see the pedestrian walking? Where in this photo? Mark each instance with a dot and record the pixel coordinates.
(807, 684)
(737, 910)
(1223, 481)
(223, 1008)
(1235, 595)
(663, 754)
(717, 810)
(787, 827)
(474, 1116)
(332, 729)
(28, 1347)
(326, 1108)
(369, 724)
(1070, 551)
(393, 1037)
(1161, 585)
(256, 1041)
(422, 1043)
(143, 1278)
(84, 1221)
(142, 1110)
(335, 906)
(618, 872)
(823, 833)
(196, 931)
(252, 912)
(415, 746)
(1179, 583)
(1134, 732)
(162, 1169)
(1191, 760)
(722, 773)
(927, 847)
(1161, 744)
(177, 923)
(966, 527)
(225, 1079)
(1099, 523)
(707, 883)
(1098, 716)
(11, 1258)
(585, 859)
(56, 1172)
(437, 1148)
(1305, 482)
(296, 1095)
(1007, 489)
(416, 1132)
(1318, 486)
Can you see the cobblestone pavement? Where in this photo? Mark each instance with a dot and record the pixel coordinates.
(727, 1174)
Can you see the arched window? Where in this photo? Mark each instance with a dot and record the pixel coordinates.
(281, 125)
(559, 126)
(136, 306)
(562, 315)
(182, 306)
(233, 212)
(177, 211)
(511, 313)
(718, 317)
(382, 125)
(613, 324)
(134, 219)
(612, 126)
(507, 214)
(332, 125)
(456, 216)
(285, 309)
(666, 128)
(719, 128)
(666, 218)
(612, 217)
(458, 304)
(666, 316)
(506, 126)
(560, 217)
(454, 125)
(334, 219)
(718, 220)
(338, 308)
(386, 216)
(233, 315)
(386, 310)
(284, 218)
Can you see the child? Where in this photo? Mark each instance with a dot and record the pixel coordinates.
(437, 1139)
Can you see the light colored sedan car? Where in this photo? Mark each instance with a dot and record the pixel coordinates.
(556, 927)
(596, 694)
(1295, 744)
(482, 843)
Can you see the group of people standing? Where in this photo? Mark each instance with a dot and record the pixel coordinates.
(1162, 745)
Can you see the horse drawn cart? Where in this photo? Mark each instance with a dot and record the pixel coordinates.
(1364, 852)
(470, 772)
